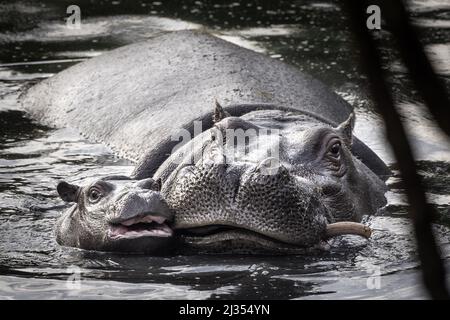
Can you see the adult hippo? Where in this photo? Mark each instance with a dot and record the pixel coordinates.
(297, 171)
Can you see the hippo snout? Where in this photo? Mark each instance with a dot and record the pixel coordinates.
(138, 211)
(256, 201)
(131, 204)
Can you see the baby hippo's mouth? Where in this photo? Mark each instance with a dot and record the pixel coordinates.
(144, 225)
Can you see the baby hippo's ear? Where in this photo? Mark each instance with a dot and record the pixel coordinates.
(346, 129)
(68, 192)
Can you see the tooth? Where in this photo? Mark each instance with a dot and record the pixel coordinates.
(133, 234)
(129, 222)
(158, 219)
(147, 219)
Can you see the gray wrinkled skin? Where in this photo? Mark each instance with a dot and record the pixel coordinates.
(233, 206)
(135, 98)
(87, 224)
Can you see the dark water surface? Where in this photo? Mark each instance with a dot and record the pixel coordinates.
(35, 44)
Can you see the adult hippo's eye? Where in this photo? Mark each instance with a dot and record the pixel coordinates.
(94, 195)
(335, 149)
(333, 157)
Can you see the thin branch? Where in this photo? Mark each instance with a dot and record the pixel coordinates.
(420, 211)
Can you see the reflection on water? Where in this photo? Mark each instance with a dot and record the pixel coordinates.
(313, 36)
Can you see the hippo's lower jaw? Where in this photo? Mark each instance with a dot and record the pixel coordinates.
(226, 240)
(239, 241)
(140, 226)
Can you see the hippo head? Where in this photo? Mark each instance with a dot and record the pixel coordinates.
(269, 181)
(111, 214)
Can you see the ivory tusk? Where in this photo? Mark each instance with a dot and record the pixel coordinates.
(347, 227)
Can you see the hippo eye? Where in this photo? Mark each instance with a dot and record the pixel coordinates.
(333, 159)
(335, 149)
(94, 195)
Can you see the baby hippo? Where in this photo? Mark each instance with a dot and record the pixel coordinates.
(116, 214)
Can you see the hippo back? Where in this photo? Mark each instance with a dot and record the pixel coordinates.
(135, 97)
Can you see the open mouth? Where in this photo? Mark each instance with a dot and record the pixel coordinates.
(144, 225)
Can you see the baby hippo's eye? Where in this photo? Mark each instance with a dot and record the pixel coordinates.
(94, 195)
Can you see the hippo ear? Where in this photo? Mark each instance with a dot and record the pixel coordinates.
(345, 129)
(219, 113)
(68, 192)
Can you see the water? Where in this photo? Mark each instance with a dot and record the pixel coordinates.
(35, 44)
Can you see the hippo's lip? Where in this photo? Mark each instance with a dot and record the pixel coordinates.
(241, 241)
(238, 240)
(219, 233)
(140, 226)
